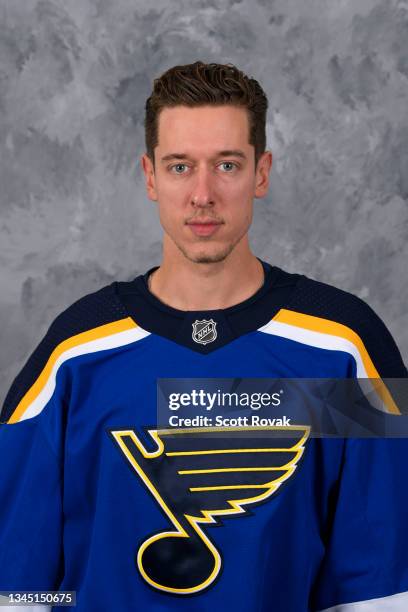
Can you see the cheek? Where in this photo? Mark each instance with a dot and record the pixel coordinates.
(166, 218)
(246, 218)
(171, 216)
(237, 193)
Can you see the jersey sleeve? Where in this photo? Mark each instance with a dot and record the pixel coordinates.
(33, 439)
(365, 566)
(31, 485)
(365, 563)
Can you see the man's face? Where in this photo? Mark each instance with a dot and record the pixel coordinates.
(205, 179)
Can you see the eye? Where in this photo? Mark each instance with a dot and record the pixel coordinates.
(177, 166)
(228, 163)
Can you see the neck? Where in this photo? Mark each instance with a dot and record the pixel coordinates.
(186, 285)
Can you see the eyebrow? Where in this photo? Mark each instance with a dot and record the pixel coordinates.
(225, 152)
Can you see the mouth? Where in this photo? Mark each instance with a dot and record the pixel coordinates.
(204, 227)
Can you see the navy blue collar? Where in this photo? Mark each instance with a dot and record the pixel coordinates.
(207, 330)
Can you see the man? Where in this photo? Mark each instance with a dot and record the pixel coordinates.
(97, 499)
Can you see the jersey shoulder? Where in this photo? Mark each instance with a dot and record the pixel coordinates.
(330, 307)
(98, 310)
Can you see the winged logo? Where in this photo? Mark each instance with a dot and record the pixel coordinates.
(199, 476)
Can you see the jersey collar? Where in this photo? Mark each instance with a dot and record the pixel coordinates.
(207, 330)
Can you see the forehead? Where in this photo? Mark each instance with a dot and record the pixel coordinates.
(207, 127)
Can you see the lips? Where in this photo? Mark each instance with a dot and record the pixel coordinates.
(204, 227)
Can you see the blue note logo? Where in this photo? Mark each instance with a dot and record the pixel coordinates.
(204, 331)
(198, 477)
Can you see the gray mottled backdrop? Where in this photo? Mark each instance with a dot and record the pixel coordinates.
(74, 77)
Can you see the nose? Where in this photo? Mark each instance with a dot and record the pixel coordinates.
(202, 194)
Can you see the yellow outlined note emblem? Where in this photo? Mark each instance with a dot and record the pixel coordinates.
(197, 475)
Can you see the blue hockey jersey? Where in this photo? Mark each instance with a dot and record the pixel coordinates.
(95, 498)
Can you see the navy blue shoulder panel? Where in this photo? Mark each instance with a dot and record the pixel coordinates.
(91, 310)
(327, 301)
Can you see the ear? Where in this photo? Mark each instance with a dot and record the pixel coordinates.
(150, 180)
(262, 174)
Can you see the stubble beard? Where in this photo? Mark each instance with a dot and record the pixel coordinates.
(206, 258)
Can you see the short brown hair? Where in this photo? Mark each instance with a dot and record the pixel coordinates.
(201, 84)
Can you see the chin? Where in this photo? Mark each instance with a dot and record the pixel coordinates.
(206, 259)
(208, 256)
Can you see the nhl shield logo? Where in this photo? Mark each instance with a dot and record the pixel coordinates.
(204, 331)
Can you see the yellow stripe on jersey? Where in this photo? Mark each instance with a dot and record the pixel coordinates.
(324, 333)
(103, 337)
